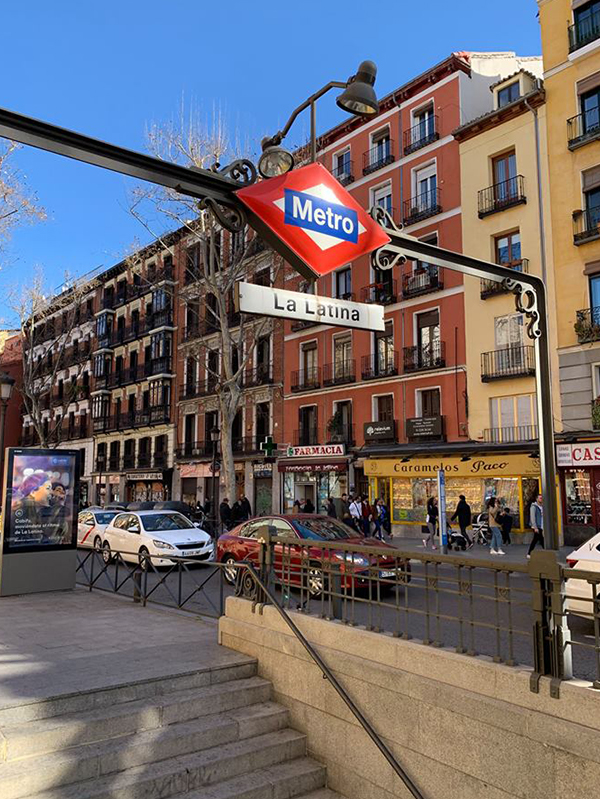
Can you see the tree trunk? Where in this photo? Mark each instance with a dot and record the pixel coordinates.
(227, 464)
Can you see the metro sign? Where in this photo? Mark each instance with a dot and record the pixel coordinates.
(315, 217)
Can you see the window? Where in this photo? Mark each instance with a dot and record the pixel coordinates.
(189, 428)
(159, 300)
(428, 402)
(587, 21)
(428, 329)
(508, 330)
(342, 353)
(307, 418)
(513, 418)
(340, 425)
(384, 351)
(504, 169)
(160, 345)
(590, 110)
(100, 407)
(425, 188)
(263, 420)
(384, 408)
(343, 283)
(508, 248)
(381, 147)
(341, 164)
(263, 277)
(211, 419)
(424, 123)
(383, 197)
(308, 358)
(508, 94)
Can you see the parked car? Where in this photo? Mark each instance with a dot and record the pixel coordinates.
(580, 593)
(164, 534)
(91, 524)
(242, 543)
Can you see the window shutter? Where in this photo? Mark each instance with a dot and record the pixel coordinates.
(591, 178)
(589, 83)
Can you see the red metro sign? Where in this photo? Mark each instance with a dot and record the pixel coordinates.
(315, 217)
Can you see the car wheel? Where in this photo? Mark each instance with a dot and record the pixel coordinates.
(229, 569)
(107, 555)
(315, 581)
(144, 559)
(97, 543)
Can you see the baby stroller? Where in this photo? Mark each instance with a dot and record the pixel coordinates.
(456, 539)
(481, 530)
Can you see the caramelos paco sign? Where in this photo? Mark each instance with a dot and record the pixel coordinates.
(485, 466)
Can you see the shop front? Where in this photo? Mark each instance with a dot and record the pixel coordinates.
(579, 472)
(315, 473)
(406, 485)
(147, 486)
(263, 488)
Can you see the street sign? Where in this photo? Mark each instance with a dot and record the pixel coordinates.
(308, 307)
(315, 217)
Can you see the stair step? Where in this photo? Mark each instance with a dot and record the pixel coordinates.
(20, 778)
(127, 692)
(183, 775)
(59, 732)
(282, 781)
(322, 793)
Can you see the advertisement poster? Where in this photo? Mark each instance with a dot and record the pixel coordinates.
(41, 500)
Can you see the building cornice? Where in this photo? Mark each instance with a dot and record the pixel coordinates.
(499, 116)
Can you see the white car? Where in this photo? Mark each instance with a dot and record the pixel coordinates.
(163, 534)
(91, 525)
(580, 593)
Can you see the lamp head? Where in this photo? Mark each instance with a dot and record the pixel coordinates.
(6, 386)
(275, 160)
(215, 433)
(359, 95)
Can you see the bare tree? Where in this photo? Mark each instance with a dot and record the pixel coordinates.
(53, 359)
(217, 260)
(17, 204)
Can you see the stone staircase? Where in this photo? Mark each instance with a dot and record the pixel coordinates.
(211, 734)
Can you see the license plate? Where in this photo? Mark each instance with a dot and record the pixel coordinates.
(388, 574)
(194, 552)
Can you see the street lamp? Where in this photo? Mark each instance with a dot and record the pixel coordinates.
(214, 437)
(6, 388)
(358, 98)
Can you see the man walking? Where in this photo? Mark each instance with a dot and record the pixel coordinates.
(536, 520)
(463, 514)
(225, 514)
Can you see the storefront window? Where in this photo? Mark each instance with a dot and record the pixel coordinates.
(531, 488)
(578, 496)
(472, 489)
(402, 501)
(506, 491)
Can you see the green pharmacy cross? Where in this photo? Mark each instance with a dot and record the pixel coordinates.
(268, 446)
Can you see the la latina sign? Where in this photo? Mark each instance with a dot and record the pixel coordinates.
(309, 307)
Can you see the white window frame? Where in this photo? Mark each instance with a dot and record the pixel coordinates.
(419, 399)
(334, 274)
(379, 190)
(375, 397)
(337, 154)
(422, 172)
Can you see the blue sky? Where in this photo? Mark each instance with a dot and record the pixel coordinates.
(109, 69)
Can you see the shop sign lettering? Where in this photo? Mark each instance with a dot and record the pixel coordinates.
(317, 450)
(578, 454)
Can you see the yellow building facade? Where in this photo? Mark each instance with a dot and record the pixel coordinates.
(571, 51)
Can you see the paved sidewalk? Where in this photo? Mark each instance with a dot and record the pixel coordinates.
(516, 553)
(72, 641)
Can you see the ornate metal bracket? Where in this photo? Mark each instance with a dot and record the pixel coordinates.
(232, 219)
(526, 302)
(389, 255)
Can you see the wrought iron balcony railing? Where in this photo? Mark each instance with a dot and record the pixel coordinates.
(501, 196)
(488, 288)
(129, 460)
(199, 388)
(586, 225)
(584, 31)
(424, 205)
(344, 172)
(190, 332)
(379, 156)
(425, 356)
(587, 325)
(339, 373)
(383, 293)
(194, 449)
(340, 433)
(261, 375)
(421, 134)
(306, 436)
(159, 319)
(380, 364)
(245, 445)
(516, 361)
(510, 435)
(161, 459)
(157, 366)
(423, 280)
(306, 379)
(583, 128)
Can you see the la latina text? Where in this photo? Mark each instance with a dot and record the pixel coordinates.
(311, 306)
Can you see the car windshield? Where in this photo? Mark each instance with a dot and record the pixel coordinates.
(325, 529)
(105, 517)
(153, 522)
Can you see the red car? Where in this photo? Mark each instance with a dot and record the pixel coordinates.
(242, 543)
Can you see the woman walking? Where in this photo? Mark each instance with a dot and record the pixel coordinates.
(433, 514)
(495, 527)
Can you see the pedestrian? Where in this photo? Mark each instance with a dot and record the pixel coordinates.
(367, 516)
(379, 517)
(225, 514)
(331, 511)
(345, 511)
(308, 506)
(432, 518)
(356, 513)
(506, 521)
(495, 525)
(463, 514)
(385, 511)
(536, 520)
(247, 507)
(296, 507)
(238, 514)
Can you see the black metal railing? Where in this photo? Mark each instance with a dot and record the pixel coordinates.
(425, 356)
(340, 433)
(194, 449)
(382, 293)
(587, 325)
(245, 445)
(423, 280)
(424, 205)
(583, 128)
(516, 361)
(108, 302)
(199, 388)
(420, 135)
(379, 156)
(159, 319)
(261, 375)
(586, 225)
(305, 379)
(157, 366)
(488, 288)
(306, 436)
(192, 331)
(511, 435)
(379, 365)
(344, 172)
(339, 372)
(125, 376)
(501, 196)
(584, 31)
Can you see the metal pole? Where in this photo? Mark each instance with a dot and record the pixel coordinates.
(3, 404)
(214, 492)
(313, 132)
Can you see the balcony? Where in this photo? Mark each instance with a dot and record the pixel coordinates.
(158, 366)
(75, 355)
(586, 226)
(101, 381)
(501, 196)
(340, 433)
(129, 460)
(161, 459)
(421, 134)
(516, 361)
(424, 357)
(344, 173)
(306, 437)
(380, 365)
(379, 156)
(191, 332)
(583, 32)
(144, 460)
(165, 274)
(159, 319)
(262, 375)
(489, 288)
(113, 463)
(426, 428)
(424, 205)
(424, 280)
(381, 293)
(587, 325)
(245, 445)
(511, 435)
(339, 373)
(201, 388)
(306, 379)
(108, 302)
(194, 449)
(126, 376)
(583, 128)
(192, 275)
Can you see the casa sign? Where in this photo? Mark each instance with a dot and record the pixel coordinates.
(587, 454)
